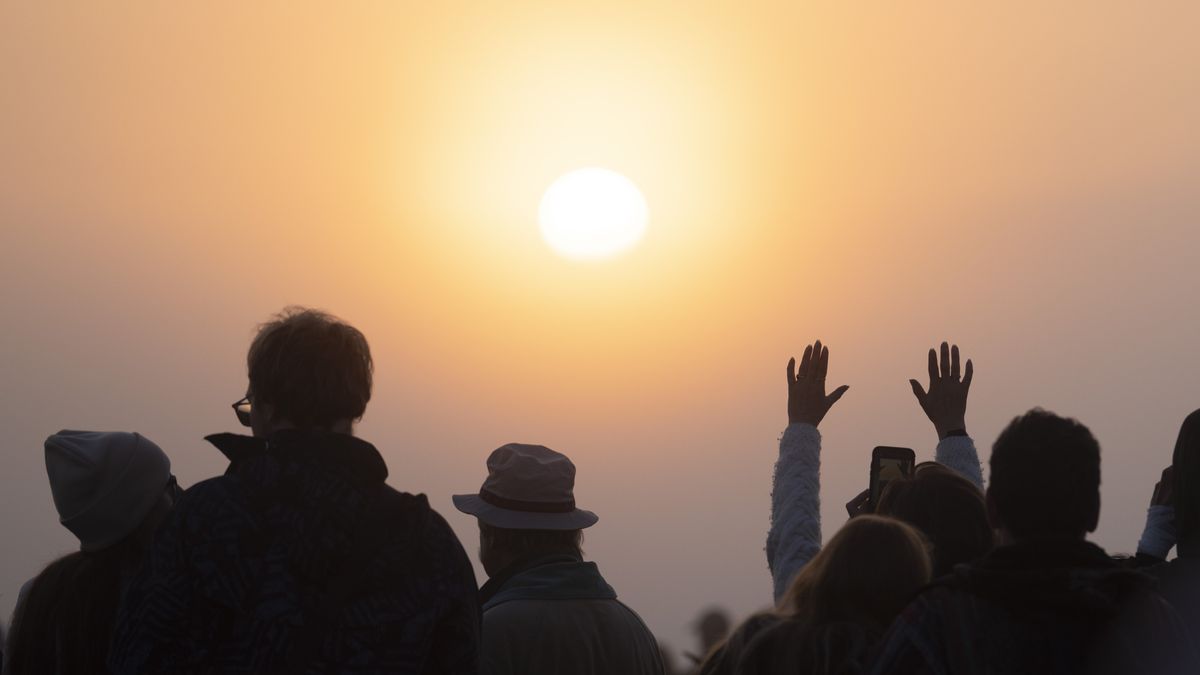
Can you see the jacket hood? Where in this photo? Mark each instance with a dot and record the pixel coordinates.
(560, 577)
(1065, 576)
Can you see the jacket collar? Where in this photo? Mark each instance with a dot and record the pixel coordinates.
(556, 577)
(358, 458)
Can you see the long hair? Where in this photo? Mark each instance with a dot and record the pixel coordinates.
(866, 574)
(841, 603)
(64, 623)
(947, 508)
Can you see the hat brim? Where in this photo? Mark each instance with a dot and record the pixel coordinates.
(509, 519)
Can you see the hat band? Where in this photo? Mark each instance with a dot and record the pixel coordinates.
(522, 505)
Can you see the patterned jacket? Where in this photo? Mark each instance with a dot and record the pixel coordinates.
(300, 560)
(1058, 607)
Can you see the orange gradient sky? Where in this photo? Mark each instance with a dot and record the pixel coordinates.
(1021, 179)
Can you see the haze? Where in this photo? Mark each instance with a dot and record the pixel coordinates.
(1020, 179)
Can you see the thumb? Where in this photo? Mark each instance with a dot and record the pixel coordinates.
(837, 393)
(918, 391)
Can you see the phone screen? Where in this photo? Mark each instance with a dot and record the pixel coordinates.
(891, 468)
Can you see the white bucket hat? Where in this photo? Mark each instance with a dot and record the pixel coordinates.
(104, 483)
(529, 487)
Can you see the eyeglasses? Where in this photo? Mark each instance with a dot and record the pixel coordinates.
(242, 410)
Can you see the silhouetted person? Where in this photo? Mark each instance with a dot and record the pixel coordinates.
(300, 559)
(795, 533)
(946, 504)
(711, 628)
(1174, 521)
(946, 508)
(838, 606)
(1047, 600)
(545, 610)
(111, 490)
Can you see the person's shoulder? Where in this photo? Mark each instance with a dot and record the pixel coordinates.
(515, 617)
(207, 488)
(215, 492)
(410, 514)
(935, 601)
(413, 510)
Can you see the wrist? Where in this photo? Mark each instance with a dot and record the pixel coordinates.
(949, 430)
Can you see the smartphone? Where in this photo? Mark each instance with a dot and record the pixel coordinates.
(888, 464)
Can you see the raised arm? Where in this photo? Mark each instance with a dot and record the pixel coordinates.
(1159, 535)
(945, 404)
(795, 534)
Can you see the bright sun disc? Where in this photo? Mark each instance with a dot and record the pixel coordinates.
(593, 213)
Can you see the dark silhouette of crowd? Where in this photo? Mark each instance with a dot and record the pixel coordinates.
(301, 559)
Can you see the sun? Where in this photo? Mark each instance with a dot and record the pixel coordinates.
(592, 213)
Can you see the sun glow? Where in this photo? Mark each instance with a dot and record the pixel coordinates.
(593, 213)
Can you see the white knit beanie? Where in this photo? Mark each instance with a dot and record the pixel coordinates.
(104, 483)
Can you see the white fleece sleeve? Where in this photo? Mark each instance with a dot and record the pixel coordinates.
(795, 534)
(1159, 536)
(958, 453)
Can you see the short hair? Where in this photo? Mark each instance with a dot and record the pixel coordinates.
(525, 544)
(1045, 476)
(949, 509)
(312, 368)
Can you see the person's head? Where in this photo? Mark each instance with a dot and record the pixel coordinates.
(712, 627)
(1186, 487)
(112, 490)
(108, 486)
(526, 507)
(308, 370)
(500, 547)
(1045, 478)
(865, 575)
(949, 509)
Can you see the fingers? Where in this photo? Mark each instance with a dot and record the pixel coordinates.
(806, 361)
(837, 394)
(954, 370)
(918, 391)
(814, 363)
(966, 381)
(791, 370)
(945, 359)
(933, 367)
(856, 505)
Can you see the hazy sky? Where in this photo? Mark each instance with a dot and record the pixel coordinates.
(1021, 179)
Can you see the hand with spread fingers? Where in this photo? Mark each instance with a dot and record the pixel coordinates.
(807, 401)
(945, 403)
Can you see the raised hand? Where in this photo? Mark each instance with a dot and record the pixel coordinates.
(807, 402)
(945, 404)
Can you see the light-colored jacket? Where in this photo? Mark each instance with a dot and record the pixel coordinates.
(558, 616)
(795, 534)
